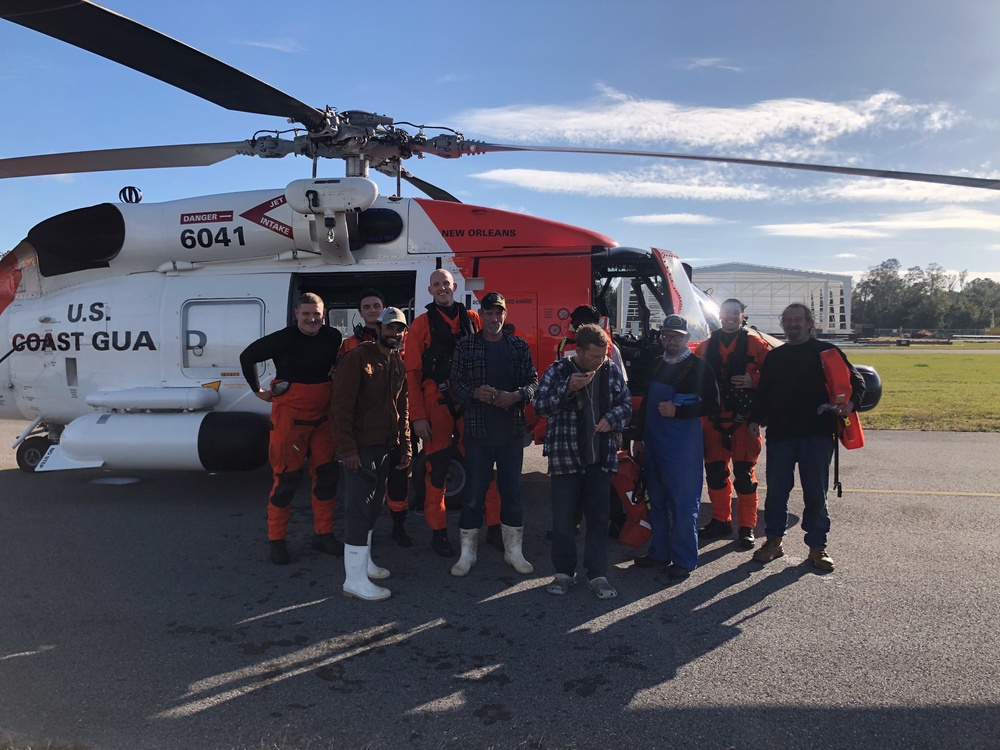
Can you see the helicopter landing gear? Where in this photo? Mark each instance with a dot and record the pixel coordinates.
(30, 452)
(454, 483)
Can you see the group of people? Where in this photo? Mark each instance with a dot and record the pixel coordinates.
(462, 382)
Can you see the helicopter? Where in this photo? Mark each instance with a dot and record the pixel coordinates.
(123, 322)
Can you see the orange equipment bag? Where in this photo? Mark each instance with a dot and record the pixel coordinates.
(838, 386)
(630, 490)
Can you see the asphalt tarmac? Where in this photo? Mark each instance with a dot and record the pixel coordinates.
(146, 615)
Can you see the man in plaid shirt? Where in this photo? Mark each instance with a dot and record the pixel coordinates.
(588, 404)
(493, 377)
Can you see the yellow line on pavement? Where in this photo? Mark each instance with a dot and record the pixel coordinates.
(942, 493)
(927, 492)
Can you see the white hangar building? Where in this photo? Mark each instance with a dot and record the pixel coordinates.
(766, 291)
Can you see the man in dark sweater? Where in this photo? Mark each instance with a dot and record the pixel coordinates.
(681, 391)
(304, 356)
(792, 402)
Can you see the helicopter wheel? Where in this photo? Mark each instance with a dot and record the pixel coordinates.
(454, 484)
(31, 451)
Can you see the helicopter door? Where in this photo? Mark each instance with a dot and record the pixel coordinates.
(540, 293)
(215, 331)
(340, 291)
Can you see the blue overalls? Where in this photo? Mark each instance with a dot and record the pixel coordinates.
(673, 472)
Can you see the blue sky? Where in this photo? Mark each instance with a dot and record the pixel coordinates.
(909, 85)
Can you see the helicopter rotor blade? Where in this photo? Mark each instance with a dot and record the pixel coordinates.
(122, 40)
(146, 157)
(432, 191)
(477, 147)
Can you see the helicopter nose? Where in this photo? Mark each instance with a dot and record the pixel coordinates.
(10, 279)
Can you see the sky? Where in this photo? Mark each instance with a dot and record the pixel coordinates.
(910, 85)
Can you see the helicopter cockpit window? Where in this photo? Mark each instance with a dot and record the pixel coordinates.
(629, 289)
(709, 308)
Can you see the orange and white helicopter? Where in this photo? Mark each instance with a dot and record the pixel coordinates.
(122, 323)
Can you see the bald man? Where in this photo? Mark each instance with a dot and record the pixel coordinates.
(434, 414)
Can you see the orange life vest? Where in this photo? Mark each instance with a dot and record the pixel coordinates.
(838, 386)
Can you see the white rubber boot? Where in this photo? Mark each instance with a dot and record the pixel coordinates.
(513, 537)
(356, 575)
(374, 571)
(470, 545)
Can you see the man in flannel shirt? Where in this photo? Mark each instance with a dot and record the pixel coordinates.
(588, 404)
(493, 377)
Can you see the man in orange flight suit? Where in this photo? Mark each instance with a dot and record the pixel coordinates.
(370, 307)
(735, 355)
(304, 356)
(434, 414)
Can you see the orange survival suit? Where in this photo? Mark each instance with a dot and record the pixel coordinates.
(300, 419)
(430, 343)
(725, 435)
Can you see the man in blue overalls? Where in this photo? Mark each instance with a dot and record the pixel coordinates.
(681, 390)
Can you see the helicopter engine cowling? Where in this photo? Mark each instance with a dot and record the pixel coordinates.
(183, 234)
(212, 441)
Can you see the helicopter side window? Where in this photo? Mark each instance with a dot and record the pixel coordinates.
(378, 226)
(216, 331)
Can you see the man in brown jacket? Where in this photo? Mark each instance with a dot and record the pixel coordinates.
(369, 420)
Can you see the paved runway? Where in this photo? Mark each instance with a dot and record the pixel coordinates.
(145, 615)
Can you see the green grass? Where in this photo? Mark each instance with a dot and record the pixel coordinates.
(933, 390)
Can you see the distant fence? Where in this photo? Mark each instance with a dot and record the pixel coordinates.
(921, 332)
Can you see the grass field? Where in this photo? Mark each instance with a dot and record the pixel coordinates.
(925, 388)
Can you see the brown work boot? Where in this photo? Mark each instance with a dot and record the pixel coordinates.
(820, 558)
(770, 551)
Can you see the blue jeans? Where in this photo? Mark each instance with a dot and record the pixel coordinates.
(593, 486)
(479, 461)
(813, 455)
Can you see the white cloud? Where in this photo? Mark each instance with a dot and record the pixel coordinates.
(453, 78)
(616, 118)
(833, 230)
(724, 183)
(868, 189)
(653, 183)
(281, 45)
(657, 219)
(948, 217)
(846, 255)
(711, 62)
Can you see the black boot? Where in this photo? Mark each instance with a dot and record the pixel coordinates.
(441, 544)
(399, 535)
(279, 552)
(329, 544)
(494, 536)
(715, 528)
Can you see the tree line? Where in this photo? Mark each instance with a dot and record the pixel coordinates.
(931, 298)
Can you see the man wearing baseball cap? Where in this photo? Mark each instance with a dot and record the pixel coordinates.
(681, 391)
(369, 408)
(493, 377)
